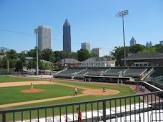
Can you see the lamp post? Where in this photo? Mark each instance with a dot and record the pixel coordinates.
(37, 68)
(122, 14)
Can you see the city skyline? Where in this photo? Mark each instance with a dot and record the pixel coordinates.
(97, 23)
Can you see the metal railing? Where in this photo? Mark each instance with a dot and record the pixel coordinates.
(134, 108)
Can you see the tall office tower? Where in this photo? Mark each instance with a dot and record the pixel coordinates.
(132, 41)
(96, 51)
(149, 44)
(43, 34)
(66, 36)
(85, 46)
(161, 42)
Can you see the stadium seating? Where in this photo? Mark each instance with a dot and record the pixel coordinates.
(158, 71)
(81, 74)
(68, 73)
(115, 72)
(134, 72)
(95, 72)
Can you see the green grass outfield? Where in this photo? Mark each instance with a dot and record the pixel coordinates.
(14, 94)
(10, 78)
(59, 90)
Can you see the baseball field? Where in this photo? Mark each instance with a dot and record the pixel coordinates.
(22, 91)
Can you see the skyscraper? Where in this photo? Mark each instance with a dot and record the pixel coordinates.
(66, 36)
(96, 51)
(161, 42)
(43, 34)
(149, 44)
(85, 46)
(132, 41)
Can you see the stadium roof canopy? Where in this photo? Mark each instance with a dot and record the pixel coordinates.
(69, 61)
(145, 56)
(98, 59)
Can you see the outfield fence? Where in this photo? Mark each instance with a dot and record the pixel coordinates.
(134, 108)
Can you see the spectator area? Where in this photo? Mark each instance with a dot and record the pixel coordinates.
(79, 73)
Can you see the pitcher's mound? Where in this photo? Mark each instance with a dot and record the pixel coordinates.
(32, 90)
(100, 92)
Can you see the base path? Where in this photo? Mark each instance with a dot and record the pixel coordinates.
(38, 101)
(23, 83)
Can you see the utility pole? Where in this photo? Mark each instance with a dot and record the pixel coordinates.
(37, 67)
(8, 66)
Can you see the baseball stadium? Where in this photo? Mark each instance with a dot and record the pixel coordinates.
(81, 61)
(93, 94)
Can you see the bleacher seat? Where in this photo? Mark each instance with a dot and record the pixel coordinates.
(81, 72)
(134, 72)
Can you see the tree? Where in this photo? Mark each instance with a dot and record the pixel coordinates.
(93, 54)
(11, 56)
(58, 56)
(46, 54)
(3, 62)
(83, 54)
(31, 64)
(149, 50)
(19, 65)
(118, 54)
(32, 53)
(136, 48)
(62, 54)
(159, 48)
(21, 57)
(44, 66)
(73, 55)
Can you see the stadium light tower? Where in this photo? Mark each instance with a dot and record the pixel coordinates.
(122, 14)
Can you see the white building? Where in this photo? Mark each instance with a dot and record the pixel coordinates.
(98, 62)
(43, 34)
(85, 46)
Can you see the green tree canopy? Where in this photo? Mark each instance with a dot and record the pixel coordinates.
(136, 48)
(118, 54)
(159, 48)
(46, 54)
(11, 54)
(19, 65)
(32, 53)
(11, 57)
(83, 54)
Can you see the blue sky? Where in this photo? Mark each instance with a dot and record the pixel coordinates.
(92, 21)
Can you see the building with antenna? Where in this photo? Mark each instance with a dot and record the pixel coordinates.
(132, 41)
(149, 44)
(66, 36)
